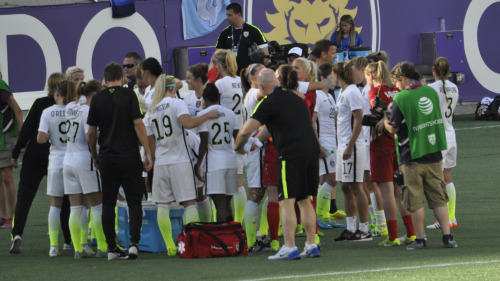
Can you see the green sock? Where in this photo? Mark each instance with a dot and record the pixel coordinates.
(84, 226)
(75, 227)
(54, 225)
(323, 199)
(191, 214)
(239, 203)
(214, 211)
(97, 228)
(264, 225)
(116, 218)
(165, 225)
(452, 200)
(251, 216)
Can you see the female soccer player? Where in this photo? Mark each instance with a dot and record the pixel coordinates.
(448, 97)
(351, 154)
(80, 176)
(173, 179)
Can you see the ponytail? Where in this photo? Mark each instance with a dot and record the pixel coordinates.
(288, 77)
(380, 71)
(163, 85)
(227, 60)
(442, 68)
(86, 88)
(344, 71)
(67, 91)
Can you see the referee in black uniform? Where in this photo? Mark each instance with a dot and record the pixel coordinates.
(287, 119)
(239, 36)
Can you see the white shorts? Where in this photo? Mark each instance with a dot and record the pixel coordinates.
(173, 182)
(224, 181)
(77, 181)
(55, 183)
(253, 168)
(352, 169)
(367, 163)
(450, 155)
(239, 164)
(327, 164)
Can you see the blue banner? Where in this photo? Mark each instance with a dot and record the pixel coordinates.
(201, 17)
(122, 8)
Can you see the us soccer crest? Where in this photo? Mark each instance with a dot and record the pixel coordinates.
(245, 33)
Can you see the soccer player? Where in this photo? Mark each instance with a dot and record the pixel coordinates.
(173, 179)
(448, 97)
(351, 154)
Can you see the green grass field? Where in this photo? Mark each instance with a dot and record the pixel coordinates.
(476, 258)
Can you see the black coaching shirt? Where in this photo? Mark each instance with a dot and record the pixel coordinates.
(249, 34)
(287, 119)
(113, 111)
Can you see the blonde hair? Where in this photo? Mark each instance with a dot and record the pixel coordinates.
(72, 70)
(310, 66)
(227, 60)
(380, 71)
(163, 85)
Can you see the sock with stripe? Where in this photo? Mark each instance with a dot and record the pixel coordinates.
(165, 225)
(191, 214)
(452, 199)
(380, 219)
(264, 225)
(371, 211)
(239, 203)
(251, 216)
(97, 228)
(410, 230)
(273, 218)
(84, 226)
(323, 199)
(54, 225)
(204, 210)
(75, 227)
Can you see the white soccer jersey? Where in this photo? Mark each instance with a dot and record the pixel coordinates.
(231, 95)
(348, 101)
(163, 122)
(77, 151)
(193, 103)
(251, 101)
(303, 86)
(53, 122)
(326, 107)
(220, 154)
(447, 103)
(366, 111)
(148, 96)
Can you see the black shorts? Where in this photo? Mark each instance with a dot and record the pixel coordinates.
(298, 177)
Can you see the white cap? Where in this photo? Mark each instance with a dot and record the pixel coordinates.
(295, 51)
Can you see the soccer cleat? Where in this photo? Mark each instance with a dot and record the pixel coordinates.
(389, 243)
(415, 245)
(407, 240)
(116, 254)
(317, 239)
(133, 252)
(383, 232)
(7, 223)
(100, 254)
(339, 215)
(324, 223)
(87, 251)
(453, 223)
(334, 224)
(54, 251)
(435, 225)
(321, 234)
(449, 242)
(285, 253)
(310, 251)
(16, 245)
(343, 236)
(360, 236)
(275, 246)
(299, 231)
(79, 255)
(67, 247)
(172, 252)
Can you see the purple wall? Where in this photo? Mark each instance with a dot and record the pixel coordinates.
(401, 23)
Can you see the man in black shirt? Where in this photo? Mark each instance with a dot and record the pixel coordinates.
(239, 36)
(287, 119)
(116, 112)
(130, 63)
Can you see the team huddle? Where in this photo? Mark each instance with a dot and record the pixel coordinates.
(291, 133)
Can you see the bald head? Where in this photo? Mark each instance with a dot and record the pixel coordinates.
(267, 81)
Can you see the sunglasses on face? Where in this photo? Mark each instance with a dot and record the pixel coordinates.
(130, 65)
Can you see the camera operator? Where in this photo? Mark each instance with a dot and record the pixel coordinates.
(416, 118)
(239, 36)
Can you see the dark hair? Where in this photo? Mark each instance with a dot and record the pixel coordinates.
(325, 69)
(344, 71)
(321, 46)
(405, 69)
(153, 65)
(360, 62)
(67, 90)
(235, 7)
(441, 68)
(211, 93)
(86, 88)
(137, 58)
(288, 77)
(352, 32)
(53, 80)
(199, 70)
(113, 72)
(245, 73)
(378, 56)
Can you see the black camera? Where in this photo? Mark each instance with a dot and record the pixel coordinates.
(399, 178)
(276, 54)
(379, 107)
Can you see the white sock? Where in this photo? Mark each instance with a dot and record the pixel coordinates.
(363, 227)
(204, 210)
(191, 214)
(351, 224)
(372, 214)
(84, 223)
(380, 219)
(373, 198)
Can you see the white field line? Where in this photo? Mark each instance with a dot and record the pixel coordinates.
(373, 270)
(477, 127)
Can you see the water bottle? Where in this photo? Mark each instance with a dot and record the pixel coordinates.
(443, 24)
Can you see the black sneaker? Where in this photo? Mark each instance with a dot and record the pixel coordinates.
(449, 242)
(416, 245)
(133, 252)
(116, 254)
(360, 236)
(344, 236)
